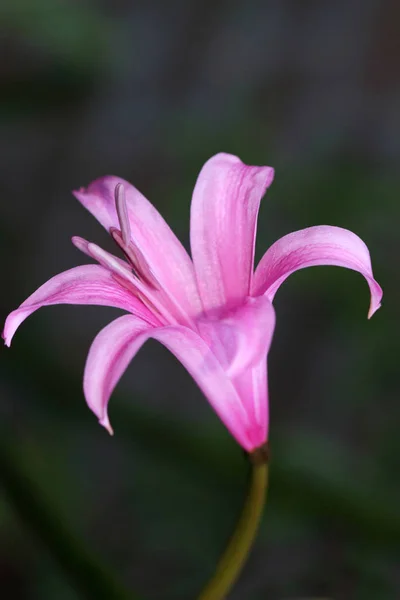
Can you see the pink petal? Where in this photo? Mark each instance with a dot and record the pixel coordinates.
(253, 384)
(117, 344)
(241, 338)
(323, 245)
(166, 257)
(241, 342)
(109, 355)
(87, 284)
(223, 222)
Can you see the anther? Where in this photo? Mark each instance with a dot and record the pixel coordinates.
(135, 257)
(109, 261)
(122, 212)
(81, 244)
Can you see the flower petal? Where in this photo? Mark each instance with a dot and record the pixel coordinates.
(86, 284)
(223, 222)
(166, 257)
(116, 345)
(241, 342)
(253, 383)
(241, 337)
(109, 355)
(322, 245)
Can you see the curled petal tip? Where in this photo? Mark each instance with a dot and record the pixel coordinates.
(376, 297)
(373, 308)
(8, 331)
(7, 341)
(106, 424)
(270, 174)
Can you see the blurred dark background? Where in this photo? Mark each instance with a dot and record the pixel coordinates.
(149, 91)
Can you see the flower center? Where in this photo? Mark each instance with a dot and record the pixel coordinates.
(135, 274)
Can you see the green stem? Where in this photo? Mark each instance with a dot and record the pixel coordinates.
(234, 557)
(84, 569)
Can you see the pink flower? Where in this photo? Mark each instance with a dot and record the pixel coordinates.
(213, 312)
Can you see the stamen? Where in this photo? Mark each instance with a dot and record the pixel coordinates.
(126, 278)
(109, 261)
(122, 212)
(145, 274)
(81, 244)
(155, 307)
(136, 258)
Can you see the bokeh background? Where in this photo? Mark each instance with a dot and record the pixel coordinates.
(149, 91)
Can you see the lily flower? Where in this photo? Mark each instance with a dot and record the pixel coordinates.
(212, 311)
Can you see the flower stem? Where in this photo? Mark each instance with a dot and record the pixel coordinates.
(234, 557)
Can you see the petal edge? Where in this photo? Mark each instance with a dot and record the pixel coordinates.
(163, 252)
(320, 245)
(116, 345)
(86, 284)
(223, 220)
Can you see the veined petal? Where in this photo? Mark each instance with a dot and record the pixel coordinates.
(86, 284)
(241, 342)
(116, 345)
(166, 257)
(109, 355)
(252, 385)
(322, 245)
(241, 337)
(223, 221)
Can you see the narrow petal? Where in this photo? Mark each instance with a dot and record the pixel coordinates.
(166, 257)
(87, 284)
(116, 345)
(123, 274)
(323, 245)
(109, 355)
(223, 222)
